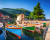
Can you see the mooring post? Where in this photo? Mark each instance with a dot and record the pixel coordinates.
(22, 33)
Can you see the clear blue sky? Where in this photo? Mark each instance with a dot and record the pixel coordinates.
(27, 4)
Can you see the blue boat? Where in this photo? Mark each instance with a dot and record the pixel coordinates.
(14, 30)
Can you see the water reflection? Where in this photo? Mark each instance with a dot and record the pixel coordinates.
(2, 35)
(10, 36)
(1, 32)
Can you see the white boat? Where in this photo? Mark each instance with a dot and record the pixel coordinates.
(1, 25)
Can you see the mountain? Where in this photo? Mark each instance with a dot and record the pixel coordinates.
(4, 12)
(16, 11)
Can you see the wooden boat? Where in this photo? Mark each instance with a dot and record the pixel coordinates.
(11, 35)
(29, 31)
(14, 30)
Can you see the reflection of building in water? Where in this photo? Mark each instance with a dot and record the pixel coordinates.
(20, 18)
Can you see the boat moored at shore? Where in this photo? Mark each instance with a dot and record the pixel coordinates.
(14, 30)
(1, 25)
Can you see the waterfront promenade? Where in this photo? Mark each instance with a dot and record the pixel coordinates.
(48, 34)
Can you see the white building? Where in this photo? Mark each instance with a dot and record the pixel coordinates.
(20, 18)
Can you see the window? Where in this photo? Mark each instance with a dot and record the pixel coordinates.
(21, 15)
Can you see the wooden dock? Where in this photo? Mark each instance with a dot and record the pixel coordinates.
(48, 34)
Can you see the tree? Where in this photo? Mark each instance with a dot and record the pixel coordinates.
(37, 12)
(31, 15)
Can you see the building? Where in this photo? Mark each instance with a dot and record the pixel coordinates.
(20, 18)
(3, 16)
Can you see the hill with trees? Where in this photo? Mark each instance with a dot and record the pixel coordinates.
(17, 11)
(14, 12)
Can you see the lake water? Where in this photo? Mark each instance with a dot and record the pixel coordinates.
(7, 37)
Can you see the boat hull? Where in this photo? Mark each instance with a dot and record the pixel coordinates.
(16, 32)
(11, 35)
(29, 31)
